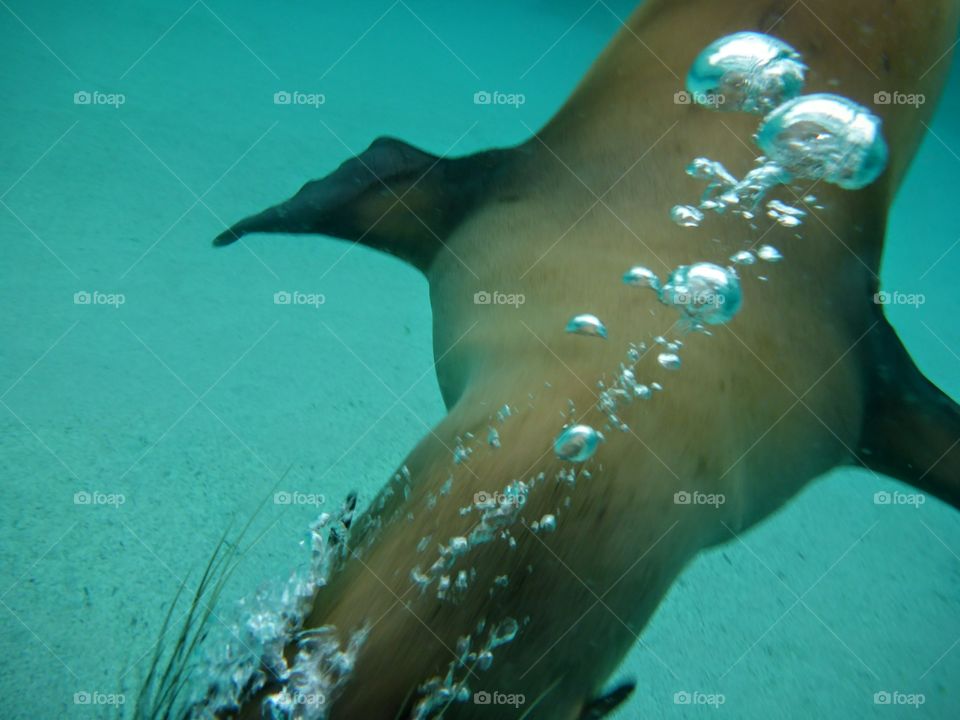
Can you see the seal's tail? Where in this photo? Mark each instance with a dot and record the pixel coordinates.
(912, 429)
(392, 197)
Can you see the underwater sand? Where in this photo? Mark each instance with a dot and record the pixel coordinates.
(192, 398)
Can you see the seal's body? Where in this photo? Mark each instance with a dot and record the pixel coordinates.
(807, 377)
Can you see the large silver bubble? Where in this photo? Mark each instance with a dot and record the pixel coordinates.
(746, 71)
(825, 136)
(705, 292)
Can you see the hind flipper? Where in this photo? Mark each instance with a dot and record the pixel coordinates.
(392, 197)
(912, 429)
(608, 702)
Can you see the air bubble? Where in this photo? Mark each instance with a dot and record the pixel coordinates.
(577, 443)
(686, 216)
(827, 137)
(746, 71)
(669, 360)
(704, 292)
(586, 324)
(642, 277)
(768, 253)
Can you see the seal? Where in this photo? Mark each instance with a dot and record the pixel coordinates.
(539, 596)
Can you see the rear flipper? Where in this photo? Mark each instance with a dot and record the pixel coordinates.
(605, 704)
(392, 197)
(912, 430)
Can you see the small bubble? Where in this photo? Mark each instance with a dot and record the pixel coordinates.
(768, 253)
(458, 546)
(686, 216)
(642, 391)
(586, 324)
(642, 277)
(577, 443)
(669, 360)
(484, 661)
(505, 632)
(744, 257)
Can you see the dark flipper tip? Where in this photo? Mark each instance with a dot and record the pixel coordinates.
(605, 704)
(227, 237)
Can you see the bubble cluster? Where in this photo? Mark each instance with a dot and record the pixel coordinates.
(746, 71)
(440, 692)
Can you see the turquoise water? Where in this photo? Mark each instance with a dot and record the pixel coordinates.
(188, 401)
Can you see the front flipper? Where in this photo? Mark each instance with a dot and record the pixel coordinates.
(912, 429)
(392, 197)
(608, 702)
